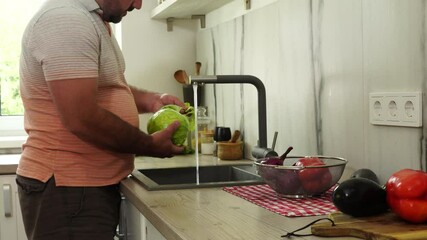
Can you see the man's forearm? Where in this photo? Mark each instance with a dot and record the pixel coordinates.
(80, 113)
(150, 102)
(107, 131)
(143, 99)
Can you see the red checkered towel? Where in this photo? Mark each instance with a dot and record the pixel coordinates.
(264, 196)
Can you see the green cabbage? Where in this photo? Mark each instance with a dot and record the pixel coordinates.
(169, 114)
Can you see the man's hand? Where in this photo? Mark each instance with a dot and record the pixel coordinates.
(162, 143)
(150, 102)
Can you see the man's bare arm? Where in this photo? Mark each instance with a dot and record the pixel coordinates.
(149, 102)
(75, 100)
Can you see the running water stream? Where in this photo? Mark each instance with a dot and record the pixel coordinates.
(196, 133)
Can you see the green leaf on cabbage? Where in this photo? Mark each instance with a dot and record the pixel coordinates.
(169, 114)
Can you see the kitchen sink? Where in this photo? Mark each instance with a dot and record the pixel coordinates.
(209, 176)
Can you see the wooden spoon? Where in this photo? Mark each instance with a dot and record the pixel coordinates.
(181, 76)
(186, 79)
(235, 136)
(198, 66)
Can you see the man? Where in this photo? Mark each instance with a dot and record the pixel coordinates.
(82, 121)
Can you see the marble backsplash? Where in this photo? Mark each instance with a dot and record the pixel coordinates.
(319, 60)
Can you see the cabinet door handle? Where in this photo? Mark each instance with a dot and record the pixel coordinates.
(7, 200)
(121, 232)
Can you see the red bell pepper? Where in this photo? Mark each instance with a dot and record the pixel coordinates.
(314, 180)
(407, 195)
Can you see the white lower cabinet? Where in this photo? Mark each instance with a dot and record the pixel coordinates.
(151, 233)
(11, 225)
(137, 226)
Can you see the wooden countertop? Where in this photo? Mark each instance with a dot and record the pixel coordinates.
(206, 213)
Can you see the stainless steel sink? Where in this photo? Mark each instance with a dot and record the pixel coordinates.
(209, 176)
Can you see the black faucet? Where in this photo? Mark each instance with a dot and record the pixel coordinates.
(261, 150)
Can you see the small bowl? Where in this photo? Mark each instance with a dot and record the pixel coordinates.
(302, 181)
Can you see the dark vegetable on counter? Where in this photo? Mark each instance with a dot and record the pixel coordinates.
(407, 195)
(365, 173)
(360, 197)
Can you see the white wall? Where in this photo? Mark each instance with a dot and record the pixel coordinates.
(319, 60)
(152, 54)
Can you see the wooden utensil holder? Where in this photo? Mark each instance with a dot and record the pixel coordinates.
(230, 150)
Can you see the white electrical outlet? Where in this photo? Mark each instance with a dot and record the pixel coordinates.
(396, 109)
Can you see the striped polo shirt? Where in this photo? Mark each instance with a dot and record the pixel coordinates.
(67, 39)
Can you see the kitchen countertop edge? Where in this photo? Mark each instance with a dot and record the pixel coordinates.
(8, 169)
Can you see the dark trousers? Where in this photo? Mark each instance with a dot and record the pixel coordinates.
(68, 213)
